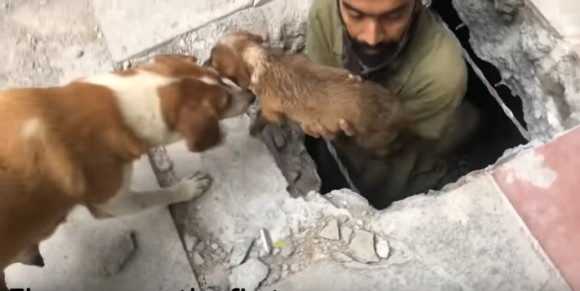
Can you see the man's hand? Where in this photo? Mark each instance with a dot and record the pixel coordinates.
(320, 131)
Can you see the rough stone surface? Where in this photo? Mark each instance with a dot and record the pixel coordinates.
(249, 275)
(534, 61)
(164, 21)
(42, 40)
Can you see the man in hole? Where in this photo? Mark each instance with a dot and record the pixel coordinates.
(400, 45)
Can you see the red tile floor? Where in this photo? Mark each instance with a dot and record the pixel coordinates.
(543, 186)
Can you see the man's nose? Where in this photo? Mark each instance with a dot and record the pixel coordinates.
(373, 34)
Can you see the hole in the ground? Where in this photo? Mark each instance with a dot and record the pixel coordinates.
(497, 132)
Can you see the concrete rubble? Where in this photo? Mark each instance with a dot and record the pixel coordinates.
(262, 225)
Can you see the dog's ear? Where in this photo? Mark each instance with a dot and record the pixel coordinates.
(200, 127)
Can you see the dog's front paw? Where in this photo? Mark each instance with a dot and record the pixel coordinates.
(194, 186)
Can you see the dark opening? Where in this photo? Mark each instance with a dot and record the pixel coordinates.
(496, 133)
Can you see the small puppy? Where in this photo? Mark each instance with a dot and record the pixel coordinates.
(291, 86)
(76, 144)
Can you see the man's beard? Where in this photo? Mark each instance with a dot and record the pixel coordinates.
(373, 56)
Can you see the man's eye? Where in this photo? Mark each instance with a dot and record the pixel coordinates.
(354, 15)
(393, 16)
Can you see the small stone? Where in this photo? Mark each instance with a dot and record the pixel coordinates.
(182, 42)
(266, 240)
(276, 251)
(214, 246)
(198, 259)
(240, 252)
(285, 267)
(342, 257)
(295, 268)
(330, 231)
(382, 248)
(249, 275)
(80, 54)
(362, 247)
(345, 233)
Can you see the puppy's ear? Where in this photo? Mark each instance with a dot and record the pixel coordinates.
(200, 127)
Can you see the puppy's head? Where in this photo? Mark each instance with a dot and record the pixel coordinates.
(194, 104)
(236, 55)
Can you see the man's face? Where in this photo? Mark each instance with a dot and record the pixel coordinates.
(376, 26)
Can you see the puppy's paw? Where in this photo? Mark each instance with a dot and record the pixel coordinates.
(194, 186)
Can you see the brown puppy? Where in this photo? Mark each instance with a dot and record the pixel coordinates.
(291, 86)
(76, 144)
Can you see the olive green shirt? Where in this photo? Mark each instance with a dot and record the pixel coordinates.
(431, 83)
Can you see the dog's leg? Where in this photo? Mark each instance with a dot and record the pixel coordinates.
(130, 202)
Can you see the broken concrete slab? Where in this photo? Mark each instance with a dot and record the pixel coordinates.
(49, 43)
(448, 229)
(362, 247)
(136, 252)
(346, 233)
(249, 275)
(330, 231)
(165, 20)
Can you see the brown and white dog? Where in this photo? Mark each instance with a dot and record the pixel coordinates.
(76, 144)
(292, 86)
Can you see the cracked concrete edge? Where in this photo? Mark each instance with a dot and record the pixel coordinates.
(524, 49)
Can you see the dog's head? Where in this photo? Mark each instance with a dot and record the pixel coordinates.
(195, 103)
(235, 56)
